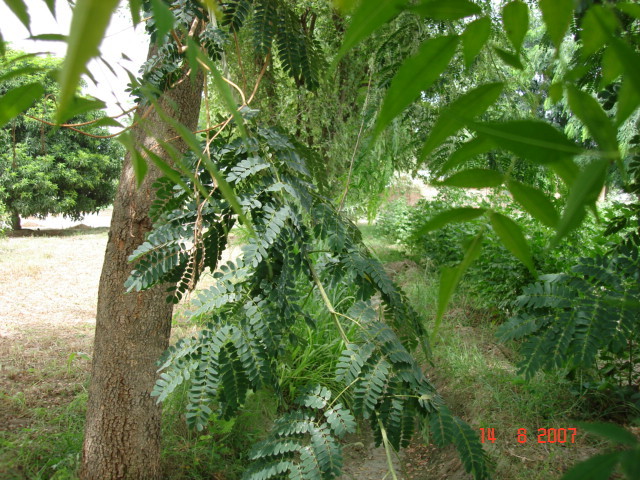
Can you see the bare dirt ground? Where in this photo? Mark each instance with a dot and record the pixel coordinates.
(48, 291)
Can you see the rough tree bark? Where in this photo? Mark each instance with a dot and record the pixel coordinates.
(122, 432)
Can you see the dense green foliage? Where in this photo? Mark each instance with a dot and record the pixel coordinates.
(578, 318)
(497, 276)
(301, 246)
(45, 170)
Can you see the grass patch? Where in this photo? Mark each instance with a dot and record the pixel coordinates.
(478, 380)
(48, 446)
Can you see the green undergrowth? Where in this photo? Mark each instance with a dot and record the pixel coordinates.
(48, 446)
(477, 377)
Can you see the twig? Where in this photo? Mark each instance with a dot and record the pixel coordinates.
(355, 148)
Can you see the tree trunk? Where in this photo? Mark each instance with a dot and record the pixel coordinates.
(122, 432)
(15, 220)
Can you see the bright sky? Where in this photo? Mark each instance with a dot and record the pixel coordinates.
(121, 38)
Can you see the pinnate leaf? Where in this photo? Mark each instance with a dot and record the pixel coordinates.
(467, 151)
(534, 202)
(88, 26)
(415, 75)
(474, 178)
(589, 111)
(465, 108)
(557, 18)
(511, 236)
(475, 37)
(509, 58)
(611, 431)
(368, 17)
(515, 18)
(450, 277)
(599, 467)
(19, 8)
(454, 215)
(163, 18)
(584, 192)
(447, 9)
(17, 100)
(533, 140)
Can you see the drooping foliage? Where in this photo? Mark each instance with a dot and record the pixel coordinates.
(574, 319)
(300, 242)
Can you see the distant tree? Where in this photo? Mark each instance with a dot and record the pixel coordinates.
(48, 170)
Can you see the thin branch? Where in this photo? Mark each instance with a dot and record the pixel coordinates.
(81, 131)
(242, 72)
(357, 145)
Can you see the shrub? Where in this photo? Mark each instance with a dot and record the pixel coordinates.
(496, 277)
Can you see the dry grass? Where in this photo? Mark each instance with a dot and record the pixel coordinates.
(48, 292)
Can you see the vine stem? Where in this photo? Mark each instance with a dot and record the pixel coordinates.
(326, 300)
(387, 450)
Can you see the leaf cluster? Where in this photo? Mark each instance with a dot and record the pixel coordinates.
(572, 320)
(300, 243)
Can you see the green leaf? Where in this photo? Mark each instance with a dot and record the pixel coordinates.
(80, 105)
(474, 178)
(533, 140)
(163, 18)
(446, 9)
(463, 109)
(629, 8)
(598, 25)
(223, 88)
(138, 163)
(51, 4)
(515, 19)
(89, 23)
(416, 74)
(450, 277)
(475, 37)
(509, 58)
(370, 15)
(467, 151)
(589, 111)
(107, 122)
(584, 192)
(612, 68)
(615, 433)
(534, 202)
(630, 60)
(510, 233)
(49, 37)
(557, 16)
(599, 467)
(17, 100)
(630, 463)
(454, 215)
(628, 102)
(194, 145)
(166, 169)
(18, 72)
(134, 8)
(227, 98)
(555, 92)
(19, 9)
